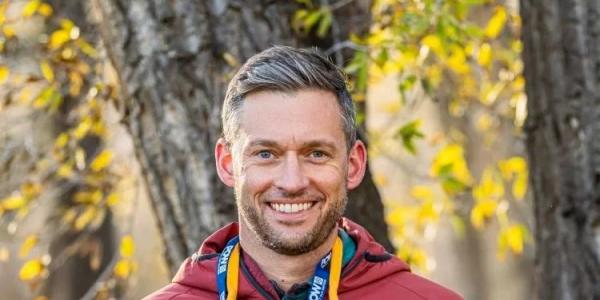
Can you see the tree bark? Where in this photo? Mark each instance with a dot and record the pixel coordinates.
(562, 69)
(172, 58)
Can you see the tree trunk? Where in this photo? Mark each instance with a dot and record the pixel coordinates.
(562, 69)
(174, 62)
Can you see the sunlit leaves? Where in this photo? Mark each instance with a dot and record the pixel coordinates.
(47, 70)
(451, 168)
(127, 247)
(512, 238)
(13, 202)
(31, 270)
(28, 244)
(4, 72)
(496, 23)
(515, 169)
(125, 266)
(58, 38)
(85, 218)
(101, 161)
(61, 77)
(30, 8)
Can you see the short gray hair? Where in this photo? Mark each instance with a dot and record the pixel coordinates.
(287, 69)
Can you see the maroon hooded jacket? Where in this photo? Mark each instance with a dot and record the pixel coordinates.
(371, 274)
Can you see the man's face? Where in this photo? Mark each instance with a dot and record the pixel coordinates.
(290, 168)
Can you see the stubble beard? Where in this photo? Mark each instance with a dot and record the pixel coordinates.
(278, 242)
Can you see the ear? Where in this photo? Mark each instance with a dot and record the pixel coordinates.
(357, 164)
(224, 161)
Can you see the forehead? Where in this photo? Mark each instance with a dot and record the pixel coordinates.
(292, 117)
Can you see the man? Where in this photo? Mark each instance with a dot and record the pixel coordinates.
(290, 152)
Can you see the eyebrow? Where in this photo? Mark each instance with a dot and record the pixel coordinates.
(308, 144)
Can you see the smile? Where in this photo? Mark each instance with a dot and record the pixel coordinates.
(291, 208)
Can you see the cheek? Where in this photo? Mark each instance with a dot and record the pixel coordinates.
(329, 179)
(254, 181)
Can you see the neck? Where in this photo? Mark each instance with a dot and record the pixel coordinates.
(286, 270)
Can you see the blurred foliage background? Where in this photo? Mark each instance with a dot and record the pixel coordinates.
(441, 95)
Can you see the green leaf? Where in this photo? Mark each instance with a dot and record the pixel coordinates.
(311, 19)
(325, 23)
(409, 133)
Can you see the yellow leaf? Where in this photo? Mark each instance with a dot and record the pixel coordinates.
(30, 190)
(61, 140)
(489, 187)
(427, 213)
(47, 70)
(65, 170)
(452, 157)
(421, 192)
(414, 256)
(458, 61)
(85, 218)
(45, 9)
(230, 59)
(112, 199)
(101, 161)
(76, 83)
(496, 23)
(519, 187)
(512, 238)
(434, 43)
(28, 244)
(30, 8)
(481, 211)
(127, 246)
(88, 197)
(82, 129)
(4, 72)
(123, 268)
(31, 270)
(67, 24)
(13, 202)
(9, 31)
(515, 165)
(485, 55)
(484, 122)
(58, 38)
(86, 48)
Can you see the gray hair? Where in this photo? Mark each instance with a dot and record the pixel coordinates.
(287, 69)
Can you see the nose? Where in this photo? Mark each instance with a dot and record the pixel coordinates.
(291, 179)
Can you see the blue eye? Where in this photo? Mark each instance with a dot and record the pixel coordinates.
(264, 154)
(318, 154)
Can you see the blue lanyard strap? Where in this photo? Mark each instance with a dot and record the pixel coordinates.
(222, 267)
(320, 281)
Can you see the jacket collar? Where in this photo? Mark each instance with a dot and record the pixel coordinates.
(370, 263)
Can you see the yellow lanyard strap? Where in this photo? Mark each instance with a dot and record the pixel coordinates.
(335, 270)
(233, 273)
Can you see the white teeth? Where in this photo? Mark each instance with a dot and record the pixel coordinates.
(291, 208)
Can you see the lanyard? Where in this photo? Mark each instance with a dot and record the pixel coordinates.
(228, 272)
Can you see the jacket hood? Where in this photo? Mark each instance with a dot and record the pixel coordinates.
(370, 263)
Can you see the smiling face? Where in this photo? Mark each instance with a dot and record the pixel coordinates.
(290, 168)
